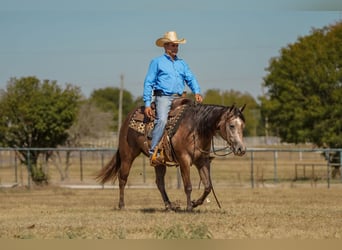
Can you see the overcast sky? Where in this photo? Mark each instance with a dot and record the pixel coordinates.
(90, 43)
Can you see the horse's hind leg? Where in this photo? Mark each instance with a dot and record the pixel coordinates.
(123, 176)
(160, 172)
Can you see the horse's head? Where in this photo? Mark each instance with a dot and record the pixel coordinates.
(231, 127)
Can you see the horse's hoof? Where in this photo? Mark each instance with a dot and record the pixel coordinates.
(189, 209)
(194, 204)
(172, 206)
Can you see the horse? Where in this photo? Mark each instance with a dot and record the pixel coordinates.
(190, 143)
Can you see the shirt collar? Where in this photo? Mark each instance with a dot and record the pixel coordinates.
(169, 57)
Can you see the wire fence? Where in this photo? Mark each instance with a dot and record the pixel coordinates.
(259, 167)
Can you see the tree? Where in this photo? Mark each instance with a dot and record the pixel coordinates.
(304, 89)
(36, 114)
(107, 100)
(228, 98)
(90, 123)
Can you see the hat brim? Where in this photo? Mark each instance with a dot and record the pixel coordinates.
(161, 41)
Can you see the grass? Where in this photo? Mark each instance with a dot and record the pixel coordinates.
(275, 209)
(300, 212)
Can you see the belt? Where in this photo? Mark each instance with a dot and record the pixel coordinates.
(161, 93)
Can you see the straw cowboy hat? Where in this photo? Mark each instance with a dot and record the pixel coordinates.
(169, 37)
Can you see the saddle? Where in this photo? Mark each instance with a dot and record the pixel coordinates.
(144, 125)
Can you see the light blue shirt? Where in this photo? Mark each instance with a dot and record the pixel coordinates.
(169, 77)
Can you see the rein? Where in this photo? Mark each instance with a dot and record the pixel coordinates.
(222, 149)
(214, 151)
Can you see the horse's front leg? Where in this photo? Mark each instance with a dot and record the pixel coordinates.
(160, 172)
(204, 173)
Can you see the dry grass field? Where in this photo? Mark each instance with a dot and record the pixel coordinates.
(299, 212)
(279, 207)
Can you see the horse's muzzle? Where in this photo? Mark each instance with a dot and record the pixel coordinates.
(239, 150)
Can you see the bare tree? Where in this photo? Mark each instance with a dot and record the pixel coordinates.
(90, 123)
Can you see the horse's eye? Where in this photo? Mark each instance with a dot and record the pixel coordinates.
(231, 126)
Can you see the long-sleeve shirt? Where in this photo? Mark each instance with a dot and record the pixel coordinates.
(168, 76)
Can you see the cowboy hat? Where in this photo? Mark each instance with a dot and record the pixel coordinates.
(169, 37)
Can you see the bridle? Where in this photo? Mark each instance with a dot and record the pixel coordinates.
(223, 128)
(225, 135)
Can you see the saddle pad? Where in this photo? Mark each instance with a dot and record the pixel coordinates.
(142, 126)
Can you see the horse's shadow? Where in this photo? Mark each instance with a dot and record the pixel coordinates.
(151, 210)
(181, 211)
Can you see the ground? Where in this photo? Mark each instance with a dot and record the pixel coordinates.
(274, 212)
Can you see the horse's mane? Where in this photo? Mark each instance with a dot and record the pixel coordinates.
(206, 116)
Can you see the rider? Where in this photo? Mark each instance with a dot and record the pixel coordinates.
(165, 79)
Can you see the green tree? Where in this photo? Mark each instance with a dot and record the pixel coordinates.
(228, 98)
(36, 114)
(107, 100)
(304, 89)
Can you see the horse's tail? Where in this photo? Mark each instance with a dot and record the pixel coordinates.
(110, 171)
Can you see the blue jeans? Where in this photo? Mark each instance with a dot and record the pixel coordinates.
(163, 106)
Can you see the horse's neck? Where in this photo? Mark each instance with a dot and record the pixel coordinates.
(206, 118)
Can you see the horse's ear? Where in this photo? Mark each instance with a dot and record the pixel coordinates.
(242, 108)
(232, 108)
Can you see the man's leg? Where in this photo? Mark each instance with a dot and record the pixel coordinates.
(163, 105)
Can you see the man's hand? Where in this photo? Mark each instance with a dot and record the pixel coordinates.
(148, 112)
(198, 98)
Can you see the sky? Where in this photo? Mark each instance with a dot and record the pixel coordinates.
(91, 43)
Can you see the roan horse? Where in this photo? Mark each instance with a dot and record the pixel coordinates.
(191, 144)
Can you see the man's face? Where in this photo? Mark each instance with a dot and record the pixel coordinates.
(171, 49)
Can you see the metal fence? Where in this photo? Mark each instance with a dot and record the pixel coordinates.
(77, 167)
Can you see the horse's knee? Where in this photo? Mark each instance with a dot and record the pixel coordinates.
(188, 189)
(208, 189)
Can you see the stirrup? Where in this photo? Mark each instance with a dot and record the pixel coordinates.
(157, 158)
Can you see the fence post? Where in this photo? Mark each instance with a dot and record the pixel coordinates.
(81, 166)
(252, 169)
(328, 171)
(341, 164)
(29, 172)
(275, 156)
(102, 164)
(15, 167)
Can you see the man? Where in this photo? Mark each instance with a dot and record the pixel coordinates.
(166, 79)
